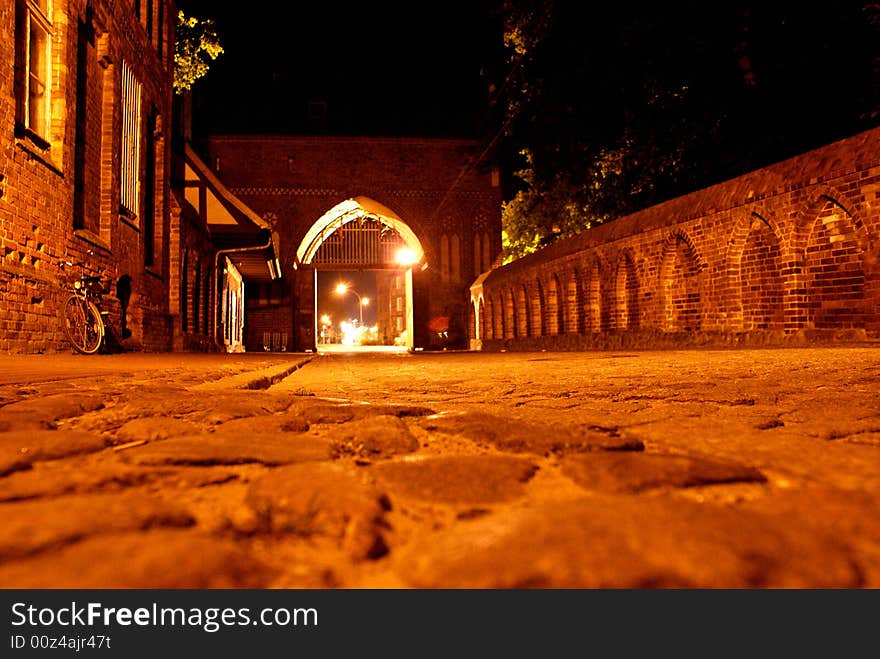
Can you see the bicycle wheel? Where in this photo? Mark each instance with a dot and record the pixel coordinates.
(83, 325)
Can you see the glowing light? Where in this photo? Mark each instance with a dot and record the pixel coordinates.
(354, 334)
(350, 335)
(405, 256)
(343, 288)
(325, 319)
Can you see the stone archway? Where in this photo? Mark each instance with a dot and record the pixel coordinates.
(834, 270)
(357, 209)
(593, 300)
(626, 314)
(361, 234)
(522, 312)
(761, 281)
(554, 323)
(509, 314)
(681, 294)
(537, 305)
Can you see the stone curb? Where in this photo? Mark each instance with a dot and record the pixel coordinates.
(261, 379)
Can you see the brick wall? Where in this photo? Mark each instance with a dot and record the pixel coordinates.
(784, 254)
(265, 325)
(192, 282)
(59, 192)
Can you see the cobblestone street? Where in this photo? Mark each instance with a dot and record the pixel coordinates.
(698, 468)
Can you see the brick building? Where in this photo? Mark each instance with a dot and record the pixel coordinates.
(785, 253)
(218, 244)
(352, 204)
(85, 102)
(89, 175)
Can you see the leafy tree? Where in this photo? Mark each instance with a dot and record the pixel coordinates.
(546, 209)
(569, 177)
(196, 46)
(606, 109)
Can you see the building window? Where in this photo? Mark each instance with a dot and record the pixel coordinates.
(149, 225)
(150, 19)
(487, 257)
(184, 292)
(34, 48)
(86, 169)
(206, 290)
(131, 143)
(477, 256)
(455, 258)
(197, 296)
(160, 30)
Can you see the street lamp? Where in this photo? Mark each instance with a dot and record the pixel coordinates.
(342, 289)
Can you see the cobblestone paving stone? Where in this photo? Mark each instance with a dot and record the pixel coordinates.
(701, 468)
(322, 500)
(627, 472)
(470, 479)
(33, 526)
(21, 448)
(523, 437)
(151, 559)
(627, 542)
(381, 435)
(227, 449)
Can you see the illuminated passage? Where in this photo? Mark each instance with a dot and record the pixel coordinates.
(362, 254)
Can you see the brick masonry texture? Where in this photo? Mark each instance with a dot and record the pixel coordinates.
(60, 196)
(785, 254)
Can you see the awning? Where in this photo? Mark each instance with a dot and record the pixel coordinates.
(235, 229)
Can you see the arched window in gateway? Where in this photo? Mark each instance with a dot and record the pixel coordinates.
(360, 232)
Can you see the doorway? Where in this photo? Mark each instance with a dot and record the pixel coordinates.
(361, 257)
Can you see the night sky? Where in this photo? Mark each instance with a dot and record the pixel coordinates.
(764, 80)
(382, 68)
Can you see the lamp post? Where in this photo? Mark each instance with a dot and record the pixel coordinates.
(342, 289)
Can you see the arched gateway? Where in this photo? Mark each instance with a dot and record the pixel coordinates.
(359, 235)
(419, 219)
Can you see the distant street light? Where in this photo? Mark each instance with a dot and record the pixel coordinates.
(405, 256)
(342, 289)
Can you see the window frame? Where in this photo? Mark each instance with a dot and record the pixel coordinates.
(33, 15)
(131, 101)
(150, 205)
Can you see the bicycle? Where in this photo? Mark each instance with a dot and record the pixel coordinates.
(82, 319)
